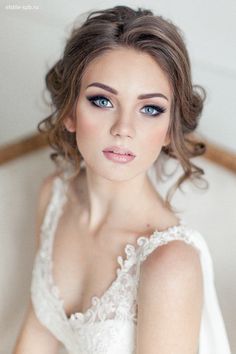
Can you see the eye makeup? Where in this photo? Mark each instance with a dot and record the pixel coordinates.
(96, 98)
(158, 109)
(93, 99)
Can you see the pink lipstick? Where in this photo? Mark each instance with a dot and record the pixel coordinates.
(118, 154)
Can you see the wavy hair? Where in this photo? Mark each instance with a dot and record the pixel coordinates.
(121, 26)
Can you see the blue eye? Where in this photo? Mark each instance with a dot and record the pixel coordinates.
(150, 110)
(103, 102)
(99, 101)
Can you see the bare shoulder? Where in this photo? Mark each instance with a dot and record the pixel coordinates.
(177, 255)
(172, 264)
(170, 298)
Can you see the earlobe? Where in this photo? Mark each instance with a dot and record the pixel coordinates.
(167, 141)
(69, 123)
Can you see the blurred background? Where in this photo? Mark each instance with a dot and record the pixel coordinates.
(33, 35)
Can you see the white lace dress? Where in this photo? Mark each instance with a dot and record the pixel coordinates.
(109, 325)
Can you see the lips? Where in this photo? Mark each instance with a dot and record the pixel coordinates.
(119, 150)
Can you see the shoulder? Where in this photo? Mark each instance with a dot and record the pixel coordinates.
(170, 298)
(174, 262)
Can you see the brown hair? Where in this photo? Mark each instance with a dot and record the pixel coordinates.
(142, 30)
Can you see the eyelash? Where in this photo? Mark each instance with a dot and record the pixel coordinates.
(92, 100)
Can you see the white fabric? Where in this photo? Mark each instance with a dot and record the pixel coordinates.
(109, 325)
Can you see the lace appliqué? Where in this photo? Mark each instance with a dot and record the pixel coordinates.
(158, 238)
(117, 302)
(101, 323)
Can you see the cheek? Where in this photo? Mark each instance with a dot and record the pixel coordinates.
(85, 127)
(157, 138)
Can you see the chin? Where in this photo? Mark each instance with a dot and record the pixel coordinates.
(116, 172)
(122, 174)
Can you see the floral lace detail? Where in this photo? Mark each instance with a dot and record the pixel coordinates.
(158, 238)
(95, 343)
(118, 303)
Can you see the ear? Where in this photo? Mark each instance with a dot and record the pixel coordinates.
(167, 140)
(70, 124)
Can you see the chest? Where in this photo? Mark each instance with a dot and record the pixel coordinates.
(85, 266)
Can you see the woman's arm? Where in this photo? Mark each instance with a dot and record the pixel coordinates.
(170, 300)
(34, 338)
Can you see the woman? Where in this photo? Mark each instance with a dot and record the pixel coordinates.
(123, 96)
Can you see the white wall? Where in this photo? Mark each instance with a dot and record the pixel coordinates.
(212, 212)
(33, 39)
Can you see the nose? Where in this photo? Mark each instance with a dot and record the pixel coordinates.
(123, 125)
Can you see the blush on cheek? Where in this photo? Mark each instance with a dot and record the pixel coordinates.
(86, 127)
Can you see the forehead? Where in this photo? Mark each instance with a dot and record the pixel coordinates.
(127, 69)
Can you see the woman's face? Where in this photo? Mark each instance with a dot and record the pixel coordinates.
(116, 115)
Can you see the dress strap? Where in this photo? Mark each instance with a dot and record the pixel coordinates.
(179, 232)
(54, 207)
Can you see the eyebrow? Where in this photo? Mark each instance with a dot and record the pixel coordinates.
(115, 92)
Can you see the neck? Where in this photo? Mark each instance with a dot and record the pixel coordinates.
(115, 202)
